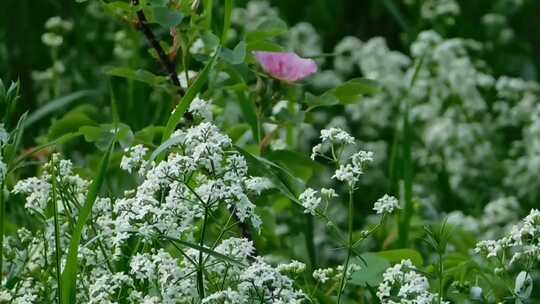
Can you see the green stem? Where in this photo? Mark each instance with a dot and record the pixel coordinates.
(440, 278)
(2, 217)
(350, 244)
(200, 274)
(308, 234)
(405, 221)
(56, 237)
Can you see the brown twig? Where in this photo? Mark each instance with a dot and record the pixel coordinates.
(166, 62)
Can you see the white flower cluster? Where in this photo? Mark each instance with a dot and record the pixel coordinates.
(134, 159)
(38, 189)
(521, 244)
(201, 108)
(175, 282)
(335, 140)
(253, 14)
(386, 204)
(350, 172)
(324, 275)
(201, 175)
(56, 27)
(432, 9)
(310, 200)
(402, 284)
(304, 40)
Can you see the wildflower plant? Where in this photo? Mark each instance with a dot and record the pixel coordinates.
(200, 151)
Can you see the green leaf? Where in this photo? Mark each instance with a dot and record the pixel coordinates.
(69, 275)
(211, 41)
(149, 134)
(103, 134)
(347, 93)
(167, 17)
(158, 2)
(137, 75)
(249, 111)
(264, 45)
(298, 164)
(237, 131)
(71, 122)
(288, 184)
(118, 8)
(10, 150)
(236, 56)
(397, 255)
(371, 270)
(191, 93)
(354, 88)
(267, 29)
(55, 105)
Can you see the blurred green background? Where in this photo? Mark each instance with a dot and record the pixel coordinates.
(21, 25)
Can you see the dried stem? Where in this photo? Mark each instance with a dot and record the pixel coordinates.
(166, 62)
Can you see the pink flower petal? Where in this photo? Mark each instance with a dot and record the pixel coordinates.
(287, 67)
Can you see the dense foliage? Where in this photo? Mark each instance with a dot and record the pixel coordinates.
(330, 151)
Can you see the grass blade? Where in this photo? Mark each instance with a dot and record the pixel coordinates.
(69, 275)
(57, 250)
(405, 218)
(227, 19)
(191, 93)
(55, 105)
(60, 140)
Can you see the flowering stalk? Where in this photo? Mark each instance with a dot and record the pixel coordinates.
(350, 243)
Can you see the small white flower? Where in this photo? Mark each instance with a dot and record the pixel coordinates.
(386, 205)
(336, 136)
(347, 173)
(294, 267)
(315, 151)
(52, 40)
(348, 52)
(3, 169)
(201, 108)
(310, 201)
(258, 184)
(401, 282)
(184, 79)
(4, 135)
(323, 275)
(37, 192)
(197, 47)
(134, 158)
(328, 193)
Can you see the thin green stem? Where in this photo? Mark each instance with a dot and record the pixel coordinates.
(308, 234)
(2, 218)
(56, 237)
(200, 274)
(350, 244)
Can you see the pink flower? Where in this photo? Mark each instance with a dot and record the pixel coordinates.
(287, 67)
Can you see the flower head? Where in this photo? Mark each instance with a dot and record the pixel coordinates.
(287, 67)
